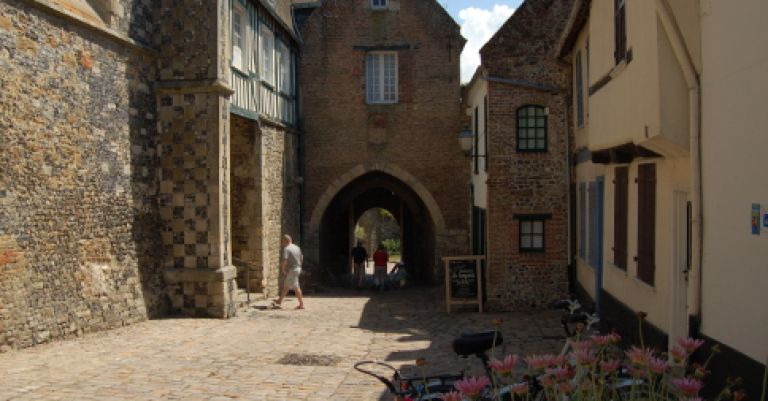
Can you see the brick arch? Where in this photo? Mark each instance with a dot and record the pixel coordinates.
(393, 170)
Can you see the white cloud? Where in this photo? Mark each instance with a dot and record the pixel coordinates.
(477, 26)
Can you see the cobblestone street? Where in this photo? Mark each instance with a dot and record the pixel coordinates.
(240, 358)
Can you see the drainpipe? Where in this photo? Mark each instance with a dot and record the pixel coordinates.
(694, 101)
(568, 217)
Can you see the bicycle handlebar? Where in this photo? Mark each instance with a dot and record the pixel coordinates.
(384, 380)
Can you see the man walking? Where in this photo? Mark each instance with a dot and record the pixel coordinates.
(291, 268)
(359, 259)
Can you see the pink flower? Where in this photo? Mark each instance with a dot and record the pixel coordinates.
(519, 388)
(688, 386)
(678, 354)
(540, 362)
(505, 366)
(472, 386)
(638, 356)
(451, 396)
(601, 340)
(546, 381)
(611, 366)
(586, 357)
(615, 338)
(561, 373)
(657, 365)
(690, 344)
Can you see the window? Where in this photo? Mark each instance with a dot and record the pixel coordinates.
(579, 82)
(531, 129)
(238, 37)
(381, 77)
(620, 30)
(267, 43)
(646, 223)
(620, 202)
(531, 233)
(476, 115)
(378, 3)
(283, 56)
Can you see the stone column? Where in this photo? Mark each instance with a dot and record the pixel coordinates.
(193, 124)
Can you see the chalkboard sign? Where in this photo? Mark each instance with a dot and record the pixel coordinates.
(463, 279)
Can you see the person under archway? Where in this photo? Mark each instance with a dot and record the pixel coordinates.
(380, 260)
(359, 259)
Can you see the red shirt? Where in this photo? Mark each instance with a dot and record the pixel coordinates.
(380, 258)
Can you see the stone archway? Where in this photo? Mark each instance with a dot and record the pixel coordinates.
(375, 185)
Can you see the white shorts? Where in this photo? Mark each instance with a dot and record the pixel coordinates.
(292, 278)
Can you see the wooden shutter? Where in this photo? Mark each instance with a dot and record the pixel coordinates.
(477, 140)
(646, 223)
(620, 31)
(485, 132)
(583, 220)
(620, 201)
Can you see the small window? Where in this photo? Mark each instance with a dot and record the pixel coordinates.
(378, 3)
(381, 77)
(267, 44)
(238, 37)
(284, 73)
(531, 231)
(531, 129)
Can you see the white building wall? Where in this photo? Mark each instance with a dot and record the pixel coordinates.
(735, 174)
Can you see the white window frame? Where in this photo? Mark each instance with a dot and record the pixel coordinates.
(239, 37)
(379, 4)
(376, 78)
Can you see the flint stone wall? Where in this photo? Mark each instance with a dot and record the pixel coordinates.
(79, 227)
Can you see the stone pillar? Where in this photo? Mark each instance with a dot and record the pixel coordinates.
(193, 124)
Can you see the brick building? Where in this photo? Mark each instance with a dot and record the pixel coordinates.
(519, 103)
(381, 113)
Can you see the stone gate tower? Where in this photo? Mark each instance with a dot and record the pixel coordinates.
(381, 114)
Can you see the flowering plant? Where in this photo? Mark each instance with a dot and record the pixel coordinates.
(596, 369)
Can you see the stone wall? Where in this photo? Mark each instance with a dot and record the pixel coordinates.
(265, 199)
(415, 136)
(78, 207)
(523, 69)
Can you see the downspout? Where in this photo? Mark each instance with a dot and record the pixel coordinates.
(568, 215)
(694, 103)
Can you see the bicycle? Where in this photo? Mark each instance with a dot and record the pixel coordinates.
(431, 388)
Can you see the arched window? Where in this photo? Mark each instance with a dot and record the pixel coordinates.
(531, 129)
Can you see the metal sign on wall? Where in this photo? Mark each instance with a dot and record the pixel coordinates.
(463, 281)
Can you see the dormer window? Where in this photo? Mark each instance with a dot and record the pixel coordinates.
(378, 4)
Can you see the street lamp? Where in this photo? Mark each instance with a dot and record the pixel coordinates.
(466, 139)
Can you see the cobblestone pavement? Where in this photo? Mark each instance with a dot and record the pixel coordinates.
(240, 358)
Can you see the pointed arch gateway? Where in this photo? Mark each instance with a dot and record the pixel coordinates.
(330, 230)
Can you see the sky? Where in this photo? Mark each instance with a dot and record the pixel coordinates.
(479, 20)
